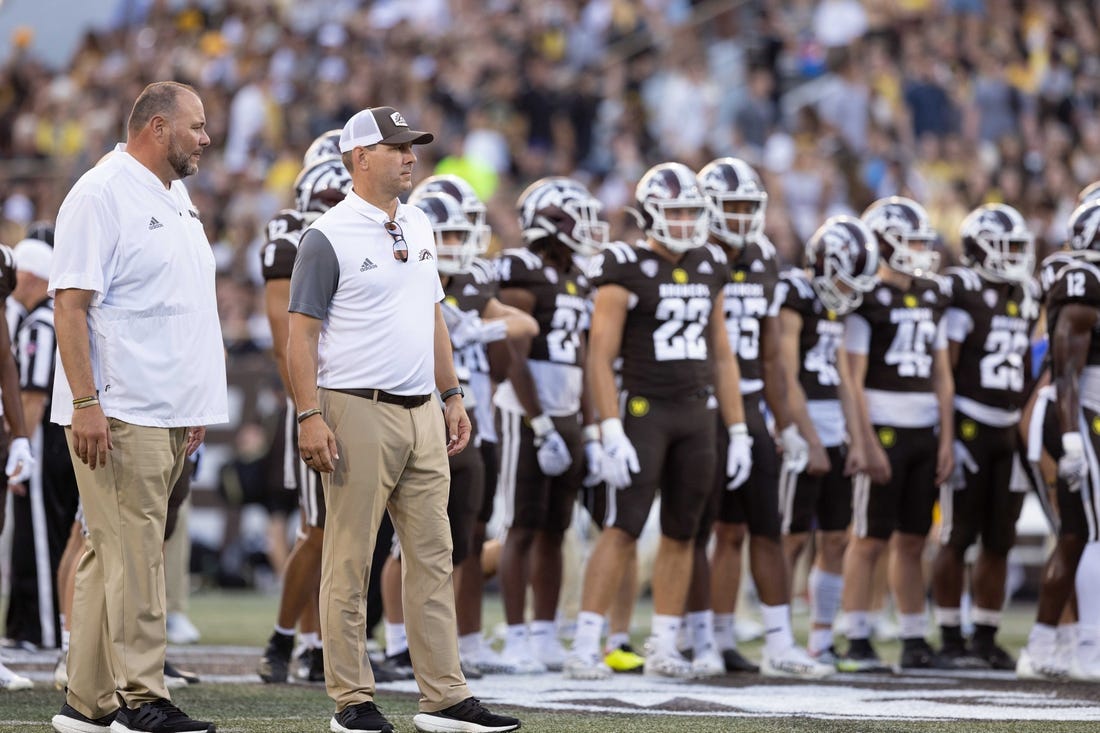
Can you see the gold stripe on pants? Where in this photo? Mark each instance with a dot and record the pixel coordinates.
(390, 458)
(118, 635)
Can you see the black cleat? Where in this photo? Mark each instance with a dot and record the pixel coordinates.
(736, 662)
(399, 666)
(917, 654)
(861, 657)
(189, 678)
(468, 715)
(993, 655)
(275, 663)
(362, 717)
(159, 716)
(316, 671)
(955, 656)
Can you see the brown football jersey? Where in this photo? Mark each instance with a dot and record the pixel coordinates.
(749, 299)
(822, 334)
(561, 308)
(1076, 283)
(664, 344)
(992, 324)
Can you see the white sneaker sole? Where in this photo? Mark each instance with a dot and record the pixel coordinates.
(65, 724)
(428, 723)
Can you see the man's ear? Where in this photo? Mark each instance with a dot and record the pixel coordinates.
(159, 125)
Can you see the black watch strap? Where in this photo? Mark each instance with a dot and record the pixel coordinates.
(448, 394)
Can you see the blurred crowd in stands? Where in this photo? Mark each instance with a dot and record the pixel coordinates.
(836, 102)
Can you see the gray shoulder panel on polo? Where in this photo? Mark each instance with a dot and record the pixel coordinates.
(315, 276)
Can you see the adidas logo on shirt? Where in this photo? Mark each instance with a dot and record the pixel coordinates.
(367, 265)
(469, 290)
(154, 224)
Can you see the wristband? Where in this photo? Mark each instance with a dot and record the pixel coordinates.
(738, 428)
(542, 425)
(89, 399)
(1072, 443)
(591, 433)
(306, 414)
(612, 427)
(449, 393)
(85, 403)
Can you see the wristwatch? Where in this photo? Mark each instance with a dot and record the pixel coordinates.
(448, 394)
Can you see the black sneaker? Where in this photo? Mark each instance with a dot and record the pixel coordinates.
(70, 720)
(469, 715)
(993, 655)
(917, 654)
(861, 657)
(399, 666)
(736, 662)
(171, 671)
(362, 717)
(276, 659)
(159, 716)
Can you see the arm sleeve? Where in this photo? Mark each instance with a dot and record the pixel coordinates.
(315, 277)
(85, 240)
(857, 334)
(940, 342)
(959, 324)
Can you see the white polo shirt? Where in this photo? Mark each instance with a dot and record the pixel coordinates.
(377, 313)
(156, 342)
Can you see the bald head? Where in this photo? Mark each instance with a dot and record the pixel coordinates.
(159, 98)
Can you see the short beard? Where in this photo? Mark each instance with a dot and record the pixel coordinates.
(180, 160)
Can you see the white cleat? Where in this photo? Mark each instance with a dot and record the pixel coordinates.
(550, 652)
(180, 630)
(665, 663)
(487, 660)
(10, 681)
(794, 662)
(708, 664)
(585, 667)
(1039, 664)
(1085, 665)
(747, 629)
(61, 671)
(521, 659)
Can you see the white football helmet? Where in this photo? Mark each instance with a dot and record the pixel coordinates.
(327, 145)
(736, 198)
(905, 237)
(563, 209)
(843, 257)
(461, 191)
(457, 241)
(672, 207)
(997, 243)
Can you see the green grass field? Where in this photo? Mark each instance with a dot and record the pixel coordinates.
(244, 619)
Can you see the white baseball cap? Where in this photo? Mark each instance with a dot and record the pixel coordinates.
(34, 256)
(379, 125)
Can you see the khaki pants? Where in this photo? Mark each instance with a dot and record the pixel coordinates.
(118, 636)
(390, 458)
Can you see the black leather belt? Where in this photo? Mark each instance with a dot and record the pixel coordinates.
(406, 401)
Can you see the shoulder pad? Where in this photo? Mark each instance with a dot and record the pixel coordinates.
(482, 271)
(717, 254)
(621, 252)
